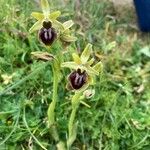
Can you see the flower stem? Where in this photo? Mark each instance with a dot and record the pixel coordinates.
(51, 108)
(72, 126)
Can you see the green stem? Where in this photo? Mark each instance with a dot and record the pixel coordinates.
(71, 121)
(51, 109)
(72, 126)
(52, 105)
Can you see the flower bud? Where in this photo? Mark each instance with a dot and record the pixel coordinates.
(78, 79)
(89, 93)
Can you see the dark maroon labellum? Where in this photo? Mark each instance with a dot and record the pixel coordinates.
(47, 34)
(78, 79)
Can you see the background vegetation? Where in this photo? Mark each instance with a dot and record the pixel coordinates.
(119, 117)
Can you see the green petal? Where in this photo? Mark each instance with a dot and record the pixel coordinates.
(36, 26)
(66, 32)
(54, 15)
(45, 7)
(68, 24)
(37, 15)
(90, 80)
(57, 25)
(76, 58)
(86, 53)
(90, 62)
(71, 65)
(98, 67)
(68, 38)
(91, 71)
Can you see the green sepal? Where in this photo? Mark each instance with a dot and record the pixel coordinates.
(91, 61)
(45, 7)
(54, 15)
(68, 24)
(45, 56)
(91, 71)
(37, 15)
(68, 38)
(86, 53)
(57, 25)
(71, 65)
(36, 26)
(76, 58)
(98, 67)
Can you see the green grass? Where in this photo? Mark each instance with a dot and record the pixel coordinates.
(119, 117)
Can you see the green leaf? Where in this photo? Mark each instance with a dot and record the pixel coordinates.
(51, 114)
(73, 135)
(86, 53)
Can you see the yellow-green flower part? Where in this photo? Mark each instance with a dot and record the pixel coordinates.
(85, 64)
(53, 29)
(65, 33)
(45, 16)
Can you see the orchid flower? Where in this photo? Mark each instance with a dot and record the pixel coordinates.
(45, 16)
(49, 27)
(83, 69)
(65, 32)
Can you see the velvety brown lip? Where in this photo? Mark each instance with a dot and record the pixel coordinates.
(47, 36)
(77, 79)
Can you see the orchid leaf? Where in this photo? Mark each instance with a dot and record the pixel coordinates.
(73, 135)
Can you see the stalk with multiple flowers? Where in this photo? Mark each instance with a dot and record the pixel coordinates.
(83, 68)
